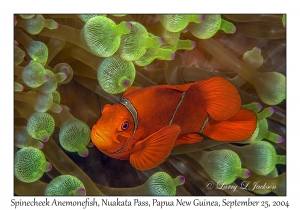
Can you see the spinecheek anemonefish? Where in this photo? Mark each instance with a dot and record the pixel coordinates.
(147, 123)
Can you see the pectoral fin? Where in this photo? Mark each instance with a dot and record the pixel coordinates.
(153, 150)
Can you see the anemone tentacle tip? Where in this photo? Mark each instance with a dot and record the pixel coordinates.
(257, 48)
(248, 173)
(84, 154)
(202, 17)
(173, 56)
(22, 53)
(272, 109)
(59, 110)
(162, 40)
(281, 139)
(125, 83)
(41, 146)
(45, 138)
(65, 74)
(181, 179)
(129, 25)
(48, 167)
(81, 191)
(260, 106)
(234, 30)
(47, 76)
(194, 44)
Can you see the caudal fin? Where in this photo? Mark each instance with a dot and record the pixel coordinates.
(238, 128)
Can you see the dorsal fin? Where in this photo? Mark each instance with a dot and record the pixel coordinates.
(131, 89)
(219, 97)
(181, 88)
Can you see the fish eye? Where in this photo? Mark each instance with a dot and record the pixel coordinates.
(125, 125)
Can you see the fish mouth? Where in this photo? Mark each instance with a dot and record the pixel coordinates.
(95, 133)
(103, 142)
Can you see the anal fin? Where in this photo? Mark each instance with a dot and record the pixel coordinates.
(154, 149)
(238, 128)
(189, 138)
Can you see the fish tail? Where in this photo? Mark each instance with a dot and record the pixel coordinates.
(238, 128)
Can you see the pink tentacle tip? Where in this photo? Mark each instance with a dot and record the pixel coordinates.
(60, 110)
(49, 167)
(259, 106)
(248, 173)
(126, 83)
(65, 76)
(281, 140)
(22, 54)
(173, 56)
(45, 138)
(85, 154)
(257, 48)
(47, 76)
(41, 146)
(181, 179)
(21, 88)
(234, 30)
(272, 109)
(81, 191)
(202, 17)
(129, 25)
(56, 25)
(16, 43)
(162, 41)
(186, 29)
(194, 44)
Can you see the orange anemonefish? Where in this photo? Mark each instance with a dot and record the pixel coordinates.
(147, 123)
